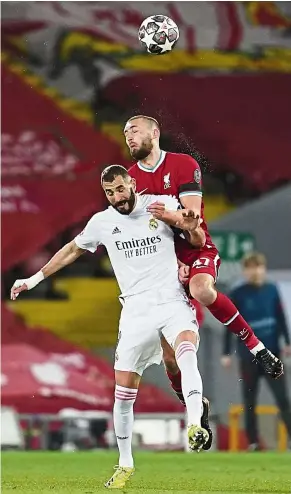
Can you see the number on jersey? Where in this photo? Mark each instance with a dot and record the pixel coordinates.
(202, 262)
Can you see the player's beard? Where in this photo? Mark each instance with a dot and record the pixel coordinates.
(130, 202)
(144, 150)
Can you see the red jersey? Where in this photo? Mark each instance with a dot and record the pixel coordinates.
(178, 175)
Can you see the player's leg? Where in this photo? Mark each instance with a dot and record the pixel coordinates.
(174, 375)
(185, 343)
(172, 369)
(250, 375)
(136, 350)
(279, 390)
(126, 387)
(202, 288)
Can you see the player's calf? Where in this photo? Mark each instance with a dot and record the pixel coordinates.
(202, 288)
(186, 349)
(186, 356)
(172, 369)
(125, 395)
(176, 385)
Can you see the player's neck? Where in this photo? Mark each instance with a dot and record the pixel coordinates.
(152, 159)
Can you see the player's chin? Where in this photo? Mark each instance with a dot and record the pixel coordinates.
(134, 151)
(124, 209)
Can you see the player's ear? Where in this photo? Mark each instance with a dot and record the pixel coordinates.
(156, 133)
(133, 183)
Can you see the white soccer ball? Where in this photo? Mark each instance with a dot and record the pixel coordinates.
(159, 34)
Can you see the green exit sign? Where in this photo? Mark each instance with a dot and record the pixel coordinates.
(232, 246)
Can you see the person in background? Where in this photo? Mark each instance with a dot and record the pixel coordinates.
(258, 301)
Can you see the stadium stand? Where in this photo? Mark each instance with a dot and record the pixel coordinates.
(71, 76)
(61, 375)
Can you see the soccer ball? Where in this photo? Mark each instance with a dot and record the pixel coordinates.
(159, 34)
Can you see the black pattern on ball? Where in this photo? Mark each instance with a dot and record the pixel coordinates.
(152, 27)
(156, 49)
(142, 32)
(159, 18)
(160, 38)
(172, 34)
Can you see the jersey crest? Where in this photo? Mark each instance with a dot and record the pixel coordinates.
(153, 224)
(167, 181)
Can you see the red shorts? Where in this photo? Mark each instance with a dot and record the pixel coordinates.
(207, 261)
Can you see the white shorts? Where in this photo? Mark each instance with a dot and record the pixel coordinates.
(140, 327)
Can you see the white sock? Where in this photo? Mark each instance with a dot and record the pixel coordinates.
(191, 381)
(123, 423)
(260, 346)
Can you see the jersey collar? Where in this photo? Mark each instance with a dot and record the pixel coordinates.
(158, 163)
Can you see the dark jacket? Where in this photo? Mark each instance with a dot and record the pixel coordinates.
(262, 309)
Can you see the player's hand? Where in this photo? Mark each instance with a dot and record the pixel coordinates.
(189, 220)
(18, 287)
(157, 209)
(226, 361)
(287, 351)
(184, 272)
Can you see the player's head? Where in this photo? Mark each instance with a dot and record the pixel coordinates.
(255, 268)
(142, 134)
(119, 188)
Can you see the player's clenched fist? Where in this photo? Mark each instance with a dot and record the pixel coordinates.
(26, 284)
(18, 287)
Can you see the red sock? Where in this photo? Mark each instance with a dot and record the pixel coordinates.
(226, 312)
(176, 385)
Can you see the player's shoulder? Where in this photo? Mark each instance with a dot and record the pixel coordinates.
(150, 198)
(99, 217)
(133, 169)
(170, 201)
(176, 159)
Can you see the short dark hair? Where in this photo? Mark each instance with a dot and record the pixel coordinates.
(112, 171)
(254, 259)
(151, 120)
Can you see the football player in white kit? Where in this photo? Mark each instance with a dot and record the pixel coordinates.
(142, 254)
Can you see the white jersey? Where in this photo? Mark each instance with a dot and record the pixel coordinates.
(141, 249)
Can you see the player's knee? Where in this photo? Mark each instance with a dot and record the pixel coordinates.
(127, 379)
(202, 289)
(187, 335)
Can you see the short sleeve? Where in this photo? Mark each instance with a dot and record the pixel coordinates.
(189, 177)
(89, 238)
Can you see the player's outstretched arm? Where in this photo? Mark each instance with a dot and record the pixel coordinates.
(65, 256)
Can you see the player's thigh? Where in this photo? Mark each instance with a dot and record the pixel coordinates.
(138, 344)
(208, 263)
(180, 319)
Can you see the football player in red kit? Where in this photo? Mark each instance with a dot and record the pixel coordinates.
(160, 172)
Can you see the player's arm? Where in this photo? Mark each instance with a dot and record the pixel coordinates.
(190, 184)
(190, 194)
(196, 237)
(184, 219)
(66, 255)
